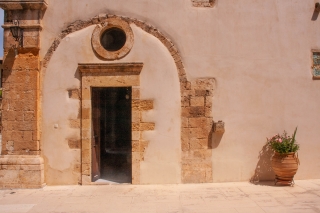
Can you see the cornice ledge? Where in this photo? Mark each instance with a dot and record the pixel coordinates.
(23, 4)
(112, 68)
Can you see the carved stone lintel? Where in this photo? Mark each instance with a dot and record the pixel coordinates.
(23, 4)
(112, 68)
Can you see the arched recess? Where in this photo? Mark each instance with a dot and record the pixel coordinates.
(196, 103)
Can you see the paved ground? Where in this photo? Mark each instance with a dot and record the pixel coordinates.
(217, 197)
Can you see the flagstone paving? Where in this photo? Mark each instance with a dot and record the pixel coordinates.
(238, 197)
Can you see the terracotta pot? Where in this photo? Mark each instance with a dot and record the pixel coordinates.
(285, 166)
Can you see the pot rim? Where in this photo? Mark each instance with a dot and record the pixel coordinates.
(288, 153)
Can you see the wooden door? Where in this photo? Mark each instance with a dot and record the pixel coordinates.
(96, 138)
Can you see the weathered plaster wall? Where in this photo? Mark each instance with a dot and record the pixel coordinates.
(158, 82)
(258, 51)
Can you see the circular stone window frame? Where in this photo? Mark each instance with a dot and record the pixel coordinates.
(103, 27)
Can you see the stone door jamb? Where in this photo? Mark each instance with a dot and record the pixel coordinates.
(108, 75)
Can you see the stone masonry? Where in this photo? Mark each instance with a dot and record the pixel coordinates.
(20, 164)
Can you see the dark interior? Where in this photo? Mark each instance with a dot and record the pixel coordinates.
(115, 134)
(113, 39)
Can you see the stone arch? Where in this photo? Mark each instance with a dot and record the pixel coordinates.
(196, 102)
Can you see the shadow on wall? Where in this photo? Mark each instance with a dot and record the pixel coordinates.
(263, 171)
(214, 139)
(316, 12)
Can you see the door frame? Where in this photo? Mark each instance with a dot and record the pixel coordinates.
(109, 75)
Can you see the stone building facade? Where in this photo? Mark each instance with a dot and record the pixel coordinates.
(134, 91)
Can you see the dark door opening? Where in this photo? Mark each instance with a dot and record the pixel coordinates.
(111, 151)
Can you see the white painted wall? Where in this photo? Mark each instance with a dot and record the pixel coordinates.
(258, 51)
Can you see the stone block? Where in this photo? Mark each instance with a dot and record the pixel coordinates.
(193, 176)
(86, 124)
(17, 135)
(85, 134)
(28, 135)
(8, 126)
(85, 179)
(98, 80)
(208, 101)
(25, 62)
(203, 3)
(208, 111)
(31, 41)
(184, 122)
(135, 146)
(10, 146)
(10, 167)
(202, 122)
(203, 154)
(136, 117)
(185, 101)
(26, 146)
(86, 169)
(135, 93)
(204, 84)
(185, 143)
(136, 167)
(146, 104)
(9, 176)
(185, 112)
(74, 143)
(32, 167)
(86, 144)
(75, 123)
(200, 155)
(135, 135)
(30, 177)
(86, 155)
(16, 105)
(135, 105)
(197, 101)
(196, 143)
(199, 133)
(135, 126)
(36, 136)
(27, 125)
(29, 116)
(6, 136)
(147, 126)
(86, 103)
(186, 93)
(33, 5)
(21, 171)
(85, 114)
(27, 160)
(74, 94)
(86, 94)
(197, 111)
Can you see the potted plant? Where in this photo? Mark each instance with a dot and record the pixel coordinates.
(285, 159)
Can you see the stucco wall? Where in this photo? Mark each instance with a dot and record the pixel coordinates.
(258, 51)
(158, 82)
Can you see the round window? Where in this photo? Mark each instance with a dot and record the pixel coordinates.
(113, 39)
